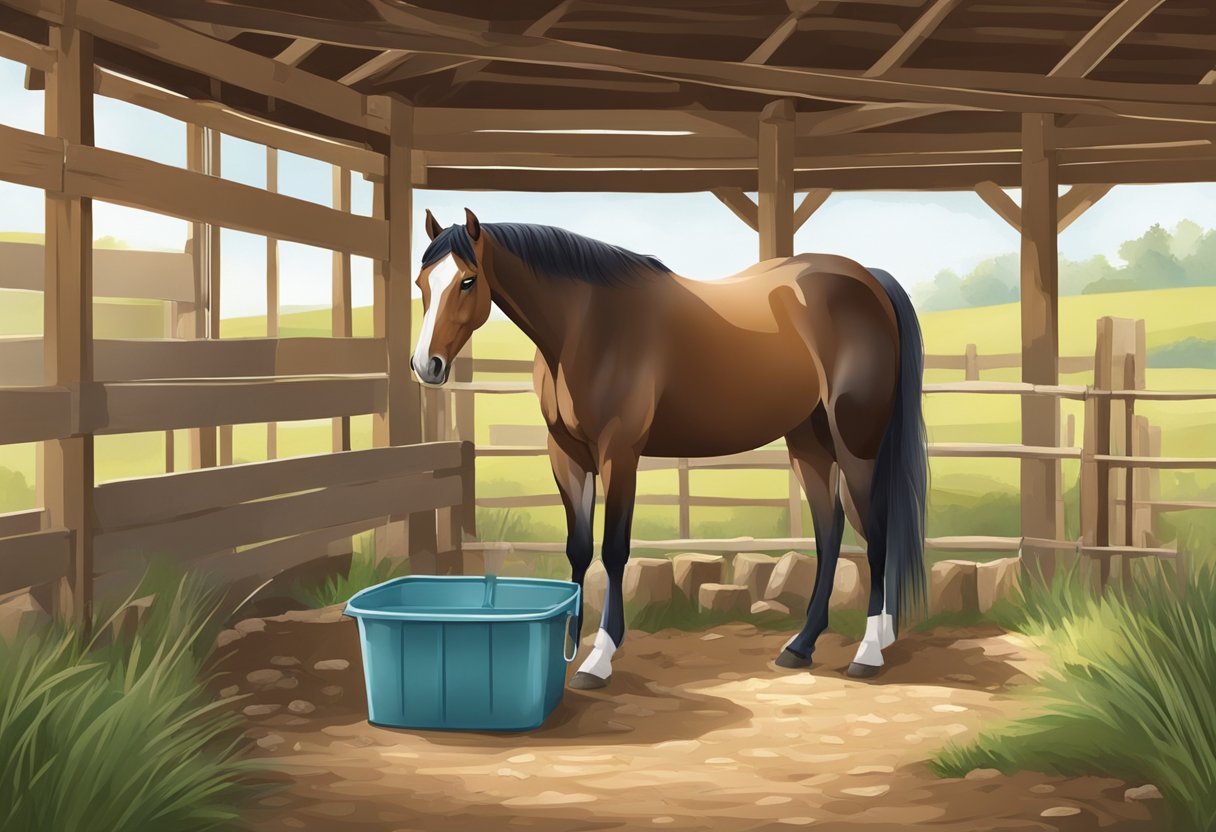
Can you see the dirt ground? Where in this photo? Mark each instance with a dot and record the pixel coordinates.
(698, 730)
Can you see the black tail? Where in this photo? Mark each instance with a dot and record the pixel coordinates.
(900, 486)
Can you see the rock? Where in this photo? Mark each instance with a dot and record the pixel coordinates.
(762, 607)
(959, 677)
(331, 690)
(595, 584)
(299, 706)
(753, 571)
(270, 741)
(1060, 812)
(287, 683)
(230, 691)
(952, 587)
(264, 677)
(20, 616)
(995, 580)
(648, 581)
(691, 570)
(791, 581)
(226, 637)
(260, 710)
(982, 774)
(1146, 792)
(1042, 788)
(284, 661)
(331, 664)
(723, 598)
(250, 625)
(848, 593)
(867, 791)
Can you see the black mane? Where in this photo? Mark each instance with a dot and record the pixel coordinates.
(550, 251)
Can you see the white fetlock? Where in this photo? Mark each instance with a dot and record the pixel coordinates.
(886, 629)
(599, 662)
(869, 652)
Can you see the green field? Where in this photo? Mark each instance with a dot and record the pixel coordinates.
(969, 496)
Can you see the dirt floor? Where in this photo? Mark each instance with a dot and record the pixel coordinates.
(698, 730)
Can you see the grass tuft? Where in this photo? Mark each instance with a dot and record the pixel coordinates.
(365, 570)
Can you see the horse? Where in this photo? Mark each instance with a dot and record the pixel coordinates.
(633, 360)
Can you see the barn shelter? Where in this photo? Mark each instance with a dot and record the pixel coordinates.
(791, 101)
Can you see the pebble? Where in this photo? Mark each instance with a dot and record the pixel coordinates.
(873, 719)
(1042, 788)
(331, 664)
(871, 770)
(226, 637)
(1146, 792)
(711, 637)
(299, 706)
(231, 690)
(982, 774)
(250, 625)
(1060, 812)
(270, 741)
(332, 690)
(959, 677)
(665, 818)
(264, 677)
(797, 821)
(260, 710)
(949, 709)
(287, 684)
(284, 661)
(522, 758)
(773, 800)
(832, 740)
(867, 791)
(510, 772)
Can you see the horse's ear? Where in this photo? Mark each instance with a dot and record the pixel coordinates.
(432, 225)
(472, 225)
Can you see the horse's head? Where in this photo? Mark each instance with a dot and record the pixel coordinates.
(455, 295)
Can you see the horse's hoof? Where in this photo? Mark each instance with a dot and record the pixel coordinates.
(587, 681)
(790, 659)
(862, 671)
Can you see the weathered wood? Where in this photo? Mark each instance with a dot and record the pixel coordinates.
(775, 203)
(1064, 391)
(266, 560)
(971, 364)
(811, 202)
(684, 497)
(769, 46)
(1000, 451)
(503, 365)
(33, 55)
(1076, 201)
(154, 275)
(916, 34)
(30, 159)
(36, 558)
(270, 519)
(1098, 42)
(132, 407)
(740, 204)
(1189, 463)
(272, 294)
(794, 504)
(297, 51)
(1040, 331)
(151, 500)
(233, 123)
(342, 312)
(128, 180)
(21, 522)
(1001, 203)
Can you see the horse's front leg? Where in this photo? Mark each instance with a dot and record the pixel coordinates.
(575, 475)
(619, 472)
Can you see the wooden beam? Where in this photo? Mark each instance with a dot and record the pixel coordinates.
(420, 30)
(765, 51)
(740, 204)
(775, 211)
(387, 59)
(297, 51)
(117, 273)
(342, 312)
(811, 202)
(272, 289)
(1040, 330)
(1001, 203)
(68, 312)
(1076, 201)
(33, 414)
(37, 558)
(916, 34)
(30, 159)
(33, 55)
(1098, 42)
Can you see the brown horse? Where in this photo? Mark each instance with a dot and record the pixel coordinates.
(633, 360)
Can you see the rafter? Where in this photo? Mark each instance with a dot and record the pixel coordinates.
(1098, 42)
(740, 204)
(297, 51)
(385, 60)
(811, 202)
(1001, 203)
(765, 51)
(917, 33)
(1076, 201)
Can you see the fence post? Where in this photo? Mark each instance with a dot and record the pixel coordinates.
(272, 288)
(795, 498)
(685, 520)
(464, 402)
(202, 440)
(971, 364)
(341, 314)
(1103, 376)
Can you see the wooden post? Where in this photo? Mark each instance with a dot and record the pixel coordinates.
(215, 272)
(795, 490)
(464, 402)
(685, 518)
(1040, 335)
(1116, 361)
(776, 170)
(202, 440)
(272, 289)
(971, 364)
(342, 315)
(68, 315)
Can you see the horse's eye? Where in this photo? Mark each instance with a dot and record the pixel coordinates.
(467, 283)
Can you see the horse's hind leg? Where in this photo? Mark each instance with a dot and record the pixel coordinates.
(575, 476)
(880, 630)
(812, 456)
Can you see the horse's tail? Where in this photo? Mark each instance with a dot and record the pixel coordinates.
(899, 489)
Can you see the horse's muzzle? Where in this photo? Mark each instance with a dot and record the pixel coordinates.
(435, 372)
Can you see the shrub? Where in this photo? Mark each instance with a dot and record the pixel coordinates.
(120, 736)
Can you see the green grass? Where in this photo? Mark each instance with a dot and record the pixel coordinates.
(364, 571)
(1130, 694)
(122, 736)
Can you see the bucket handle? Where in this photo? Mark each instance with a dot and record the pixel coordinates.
(568, 632)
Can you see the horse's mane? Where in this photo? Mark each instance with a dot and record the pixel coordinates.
(550, 251)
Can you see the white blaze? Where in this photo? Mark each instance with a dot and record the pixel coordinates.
(440, 280)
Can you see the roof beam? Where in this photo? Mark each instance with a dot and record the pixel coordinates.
(740, 204)
(1076, 201)
(765, 51)
(1001, 203)
(297, 51)
(1098, 42)
(385, 60)
(811, 202)
(917, 33)
(426, 31)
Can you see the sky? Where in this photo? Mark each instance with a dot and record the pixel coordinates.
(911, 235)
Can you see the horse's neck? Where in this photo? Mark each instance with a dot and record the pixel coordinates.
(543, 309)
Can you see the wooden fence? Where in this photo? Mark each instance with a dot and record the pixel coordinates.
(1120, 459)
(62, 390)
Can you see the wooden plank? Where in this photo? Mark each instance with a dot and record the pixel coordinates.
(740, 204)
(404, 403)
(1001, 203)
(916, 34)
(775, 199)
(271, 519)
(1171, 462)
(493, 387)
(267, 560)
(144, 359)
(1156, 395)
(272, 294)
(33, 55)
(157, 499)
(128, 180)
(232, 123)
(1064, 391)
(811, 202)
(341, 309)
(1077, 200)
(31, 159)
(21, 522)
(297, 51)
(503, 365)
(117, 273)
(33, 559)
(133, 407)
(1180, 505)
(997, 451)
(1098, 42)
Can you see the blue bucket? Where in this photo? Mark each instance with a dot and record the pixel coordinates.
(465, 653)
